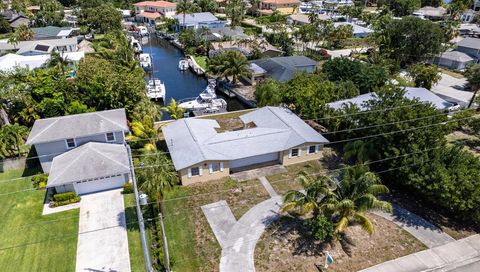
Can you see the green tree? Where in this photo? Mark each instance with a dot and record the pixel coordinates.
(51, 14)
(341, 33)
(424, 75)
(174, 110)
(321, 227)
(401, 7)
(206, 5)
(102, 19)
(268, 93)
(77, 107)
(144, 133)
(4, 26)
(58, 61)
(358, 151)
(229, 64)
(184, 7)
(12, 138)
(23, 33)
(473, 76)
(432, 3)
(235, 10)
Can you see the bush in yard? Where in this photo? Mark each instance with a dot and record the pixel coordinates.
(127, 188)
(64, 196)
(65, 202)
(321, 227)
(40, 181)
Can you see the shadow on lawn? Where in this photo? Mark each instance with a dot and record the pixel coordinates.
(130, 218)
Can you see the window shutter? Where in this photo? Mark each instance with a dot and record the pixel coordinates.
(210, 168)
(289, 153)
(189, 172)
(299, 151)
(317, 148)
(200, 170)
(221, 167)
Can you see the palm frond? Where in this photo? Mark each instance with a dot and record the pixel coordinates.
(365, 223)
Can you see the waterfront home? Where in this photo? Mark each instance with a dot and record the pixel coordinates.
(15, 19)
(271, 135)
(12, 61)
(52, 32)
(303, 19)
(198, 20)
(267, 7)
(412, 93)
(83, 153)
(149, 11)
(279, 68)
(358, 31)
(266, 48)
(29, 48)
(226, 33)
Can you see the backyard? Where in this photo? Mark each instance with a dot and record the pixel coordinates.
(30, 241)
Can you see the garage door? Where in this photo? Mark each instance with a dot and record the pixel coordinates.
(96, 185)
(270, 157)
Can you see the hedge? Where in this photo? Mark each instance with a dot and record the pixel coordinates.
(64, 196)
(39, 181)
(65, 202)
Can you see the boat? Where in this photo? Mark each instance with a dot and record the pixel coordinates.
(206, 102)
(156, 89)
(145, 61)
(137, 47)
(183, 65)
(142, 31)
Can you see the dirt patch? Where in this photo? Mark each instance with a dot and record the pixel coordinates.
(285, 246)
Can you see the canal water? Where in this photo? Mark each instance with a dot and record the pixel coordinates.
(178, 84)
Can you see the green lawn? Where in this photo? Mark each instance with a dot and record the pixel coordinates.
(134, 243)
(28, 240)
(202, 61)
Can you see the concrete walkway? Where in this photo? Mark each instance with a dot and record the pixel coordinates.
(259, 172)
(462, 255)
(221, 220)
(102, 239)
(421, 229)
(268, 187)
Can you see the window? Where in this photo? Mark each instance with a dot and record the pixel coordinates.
(294, 152)
(110, 137)
(216, 166)
(194, 171)
(312, 149)
(70, 143)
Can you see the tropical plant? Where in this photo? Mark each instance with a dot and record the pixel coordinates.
(23, 33)
(235, 10)
(268, 93)
(174, 110)
(184, 7)
(473, 76)
(206, 5)
(229, 64)
(144, 133)
(59, 61)
(321, 227)
(12, 138)
(424, 75)
(358, 151)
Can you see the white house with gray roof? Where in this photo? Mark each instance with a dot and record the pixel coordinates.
(83, 152)
(271, 135)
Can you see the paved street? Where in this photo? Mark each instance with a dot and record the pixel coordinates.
(102, 240)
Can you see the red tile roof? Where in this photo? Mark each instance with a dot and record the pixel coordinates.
(151, 15)
(158, 4)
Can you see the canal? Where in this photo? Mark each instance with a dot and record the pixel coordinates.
(178, 84)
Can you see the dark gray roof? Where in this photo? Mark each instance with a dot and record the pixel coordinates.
(191, 141)
(284, 68)
(78, 125)
(89, 161)
(422, 94)
(469, 43)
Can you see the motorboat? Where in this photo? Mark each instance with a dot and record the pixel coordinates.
(137, 47)
(183, 65)
(145, 61)
(142, 31)
(206, 101)
(156, 89)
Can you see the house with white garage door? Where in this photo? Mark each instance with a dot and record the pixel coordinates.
(84, 152)
(271, 135)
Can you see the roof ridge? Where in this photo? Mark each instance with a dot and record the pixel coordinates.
(195, 138)
(72, 161)
(253, 136)
(43, 130)
(100, 153)
(281, 119)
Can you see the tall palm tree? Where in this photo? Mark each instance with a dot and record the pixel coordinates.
(235, 64)
(184, 7)
(144, 132)
(174, 110)
(235, 10)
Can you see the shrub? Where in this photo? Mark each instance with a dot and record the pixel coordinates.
(127, 188)
(64, 196)
(39, 181)
(64, 202)
(321, 227)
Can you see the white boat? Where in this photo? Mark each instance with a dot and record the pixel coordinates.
(137, 47)
(142, 31)
(145, 61)
(156, 89)
(207, 102)
(183, 65)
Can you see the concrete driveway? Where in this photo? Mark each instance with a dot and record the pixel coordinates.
(453, 89)
(102, 239)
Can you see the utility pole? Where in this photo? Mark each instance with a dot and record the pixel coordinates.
(141, 223)
(166, 255)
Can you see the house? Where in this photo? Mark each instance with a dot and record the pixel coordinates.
(29, 48)
(280, 68)
(358, 31)
(332, 5)
(226, 33)
(272, 135)
(13, 61)
(266, 48)
(454, 60)
(303, 19)
(431, 13)
(149, 11)
(467, 16)
(15, 19)
(52, 32)
(267, 7)
(198, 20)
(422, 94)
(470, 46)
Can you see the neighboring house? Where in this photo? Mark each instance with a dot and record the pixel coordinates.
(148, 11)
(54, 136)
(303, 19)
(358, 31)
(34, 9)
(15, 19)
(267, 7)
(476, 5)
(198, 20)
(422, 94)
(431, 13)
(280, 68)
(86, 47)
(454, 60)
(29, 48)
(223, 33)
(51, 32)
(266, 48)
(12, 61)
(467, 16)
(271, 135)
(470, 46)
(331, 5)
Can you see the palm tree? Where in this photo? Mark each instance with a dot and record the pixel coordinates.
(23, 33)
(144, 132)
(57, 60)
(355, 194)
(235, 10)
(234, 64)
(13, 41)
(184, 7)
(174, 110)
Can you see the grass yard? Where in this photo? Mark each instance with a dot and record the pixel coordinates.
(28, 240)
(137, 262)
(192, 244)
(470, 142)
(285, 247)
(201, 60)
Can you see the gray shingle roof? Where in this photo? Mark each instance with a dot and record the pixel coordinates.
(89, 161)
(195, 18)
(51, 42)
(284, 68)
(191, 141)
(470, 43)
(78, 125)
(422, 94)
(456, 56)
